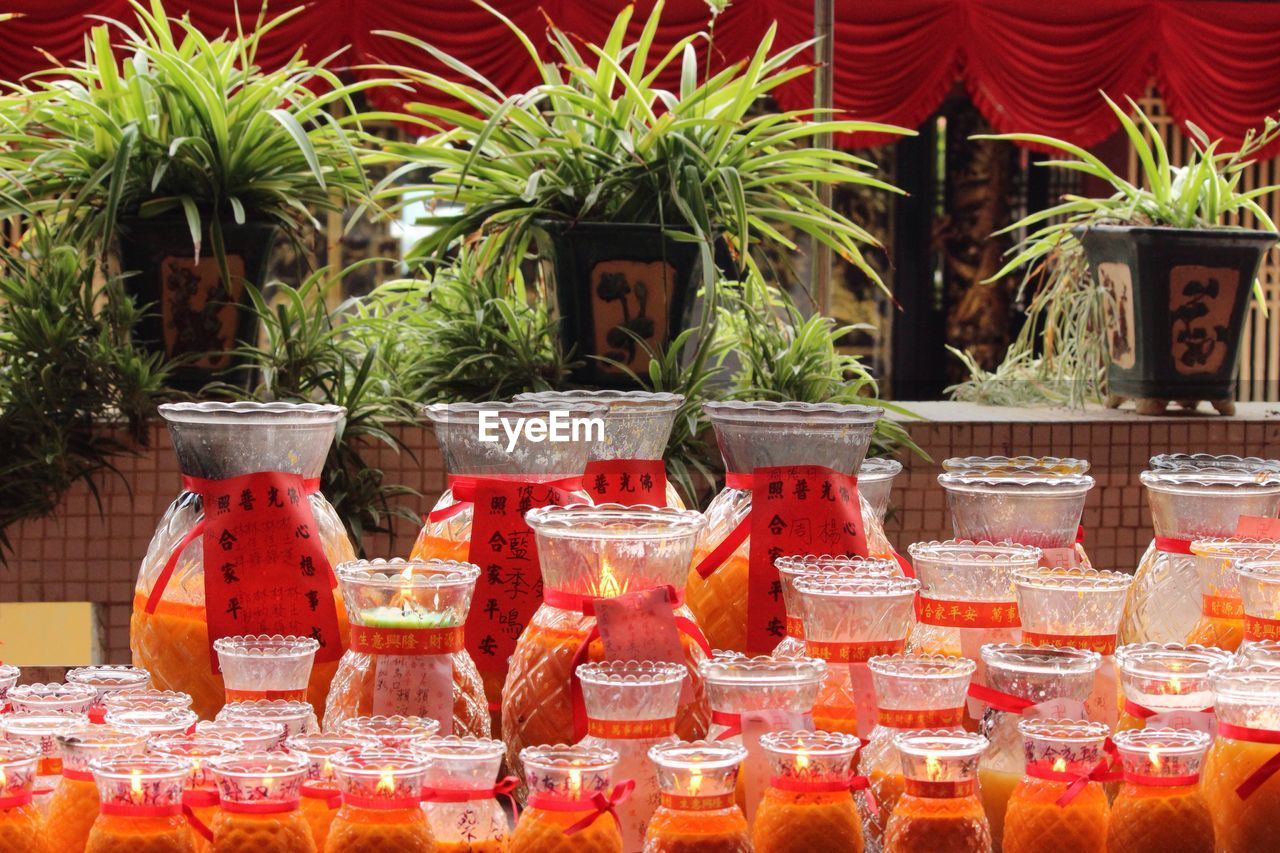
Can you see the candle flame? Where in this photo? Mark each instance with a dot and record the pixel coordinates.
(135, 787)
(802, 762)
(387, 782)
(1060, 765)
(695, 781)
(1175, 684)
(932, 767)
(327, 770)
(1153, 752)
(575, 783)
(609, 584)
(4, 780)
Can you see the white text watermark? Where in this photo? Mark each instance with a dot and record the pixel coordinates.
(554, 426)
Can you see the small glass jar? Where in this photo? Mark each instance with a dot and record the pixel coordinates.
(381, 803)
(1260, 594)
(939, 808)
(808, 804)
(320, 793)
(297, 717)
(848, 621)
(1221, 609)
(258, 804)
(74, 805)
(875, 483)
(154, 722)
(1239, 781)
(106, 680)
(1061, 795)
(128, 700)
(631, 706)
(790, 568)
(393, 732)
(252, 737)
(1266, 652)
(572, 802)
(8, 677)
(1160, 807)
(461, 798)
(40, 731)
(52, 698)
(1163, 678)
(22, 826)
(200, 791)
(140, 805)
(265, 666)
(697, 810)
(913, 692)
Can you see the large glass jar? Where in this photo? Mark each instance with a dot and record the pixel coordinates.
(939, 808)
(1191, 498)
(790, 568)
(1022, 677)
(802, 458)
(913, 693)
(1240, 779)
(631, 706)
(1221, 621)
(381, 803)
(496, 472)
(74, 805)
(626, 467)
(258, 808)
(1060, 799)
(407, 655)
(272, 542)
(1023, 500)
(875, 483)
(1165, 678)
(141, 805)
(633, 557)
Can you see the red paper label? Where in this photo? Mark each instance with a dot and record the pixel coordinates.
(641, 626)
(1200, 721)
(406, 641)
(1103, 644)
(802, 509)
(1222, 607)
(968, 614)
(1259, 527)
(712, 803)
(627, 481)
(631, 729)
(503, 546)
(265, 571)
(924, 718)
(1258, 628)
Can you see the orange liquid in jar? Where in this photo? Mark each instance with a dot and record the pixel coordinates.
(720, 831)
(489, 845)
(117, 834)
(22, 830)
(541, 831)
(72, 810)
(995, 787)
(1160, 820)
(380, 831)
(319, 817)
(927, 825)
(283, 832)
(802, 822)
(832, 718)
(719, 602)
(1218, 631)
(888, 788)
(1244, 825)
(1035, 819)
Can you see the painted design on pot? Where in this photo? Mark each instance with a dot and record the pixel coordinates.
(1200, 303)
(1117, 280)
(630, 302)
(200, 311)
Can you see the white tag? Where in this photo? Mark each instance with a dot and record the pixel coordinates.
(415, 685)
(1056, 709)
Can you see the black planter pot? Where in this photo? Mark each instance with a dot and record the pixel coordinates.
(611, 276)
(191, 312)
(1180, 297)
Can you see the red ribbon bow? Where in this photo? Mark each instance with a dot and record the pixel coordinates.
(1076, 782)
(503, 790)
(598, 804)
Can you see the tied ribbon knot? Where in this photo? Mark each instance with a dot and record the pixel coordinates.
(504, 790)
(464, 489)
(598, 804)
(732, 724)
(1103, 771)
(1266, 769)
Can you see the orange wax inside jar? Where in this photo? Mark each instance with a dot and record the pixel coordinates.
(379, 831)
(72, 810)
(489, 845)
(720, 831)
(173, 645)
(720, 601)
(1160, 820)
(117, 834)
(319, 817)
(928, 825)
(803, 821)
(888, 788)
(280, 832)
(832, 718)
(1249, 824)
(995, 787)
(22, 830)
(1224, 633)
(1034, 819)
(542, 831)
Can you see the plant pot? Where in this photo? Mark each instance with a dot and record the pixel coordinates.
(191, 313)
(1180, 297)
(608, 277)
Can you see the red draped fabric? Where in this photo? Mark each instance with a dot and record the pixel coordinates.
(1029, 66)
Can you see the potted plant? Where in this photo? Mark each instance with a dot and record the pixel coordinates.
(1173, 269)
(193, 158)
(624, 188)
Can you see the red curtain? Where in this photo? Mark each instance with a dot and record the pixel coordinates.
(1028, 66)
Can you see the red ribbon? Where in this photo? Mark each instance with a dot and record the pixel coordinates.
(194, 799)
(260, 807)
(328, 794)
(998, 699)
(731, 722)
(698, 803)
(827, 786)
(926, 718)
(463, 488)
(718, 555)
(1077, 782)
(1173, 545)
(503, 790)
(598, 805)
(1267, 769)
(381, 803)
(136, 810)
(77, 775)
(1161, 781)
(17, 800)
(936, 789)
(967, 614)
(1259, 628)
(1103, 644)
(1079, 534)
(199, 486)
(908, 570)
(1133, 709)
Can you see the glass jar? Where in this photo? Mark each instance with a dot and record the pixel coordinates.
(1023, 500)
(1164, 678)
(407, 653)
(393, 732)
(1221, 621)
(39, 730)
(875, 483)
(1160, 807)
(1239, 779)
(265, 666)
(571, 806)
(752, 696)
(140, 805)
(634, 558)
(273, 541)
(258, 804)
(1060, 799)
(129, 700)
(52, 698)
(1022, 678)
(1259, 582)
(8, 677)
(105, 680)
(461, 797)
(808, 804)
(631, 706)
(320, 793)
(697, 809)
(296, 717)
(913, 693)
(1190, 498)
(381, 803)
(626, 467)
(848, 621)
(790, 568)
(22, 826)
(502, 475)
(803, 457)
(74, 805)
(1076, 608)
(252, 737)
(939, 808)
(200, 791)
(153, 722)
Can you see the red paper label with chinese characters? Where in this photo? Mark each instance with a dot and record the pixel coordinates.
(801, 509)
(503, 546)
(627, 481)
(265, 571)
(1258, 527)
(641, 626)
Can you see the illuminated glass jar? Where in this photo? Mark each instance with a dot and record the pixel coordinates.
(39, 730)
(22, 826)
(697, 809)
(52, 698)
(1164, 678)
(200, 791)
(1221, 621)
(140, 805)
(266, 666)
(1060, 800)
(790, 568)
(939, 809)
(8, 677)
(259, 795)
(321, 796)
(74, 805)
(381, 803)
(1241, 788)
(461, 798)
(1160, 806)
(571, 801)
(808, 804)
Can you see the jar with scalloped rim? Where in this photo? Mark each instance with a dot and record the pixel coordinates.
(790, 568)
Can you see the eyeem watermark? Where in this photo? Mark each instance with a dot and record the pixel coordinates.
(554, 426)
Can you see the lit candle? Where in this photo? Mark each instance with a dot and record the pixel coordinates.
(141, 803)
(1160, 806)
(809, 802)
(571, 804)
(1240, 780)
(1061, 796)
(939, 808)
(259, 796)
(697, 808)
(74, 805)
(1164, 678)
(22, 827)
(381, 795)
